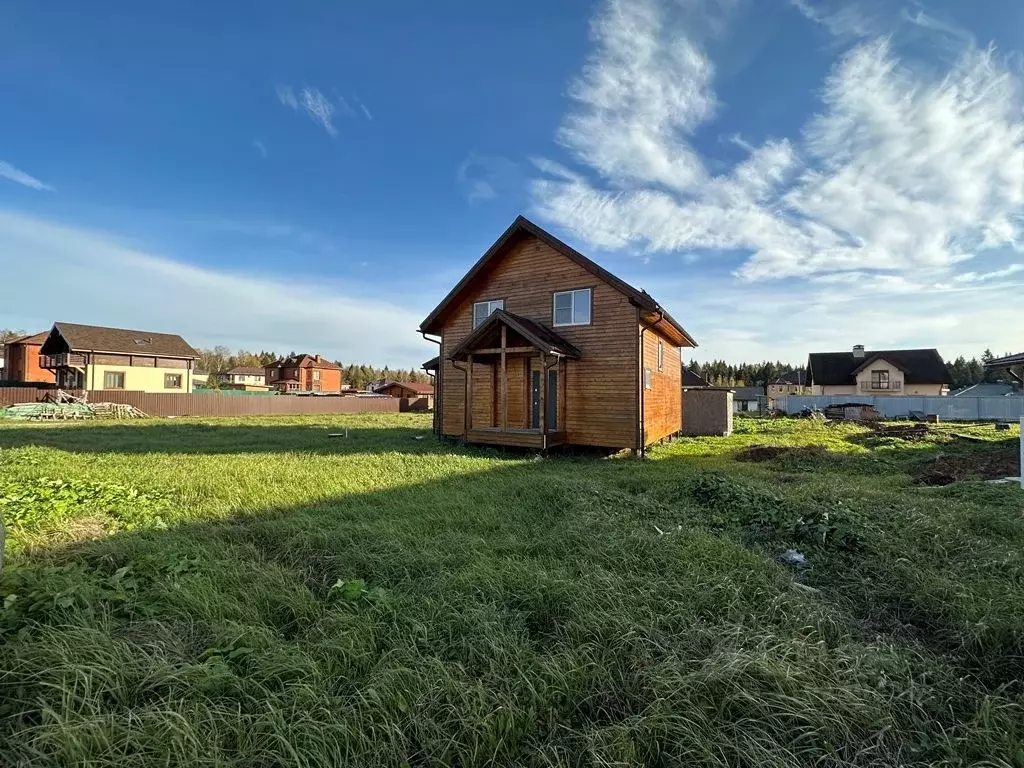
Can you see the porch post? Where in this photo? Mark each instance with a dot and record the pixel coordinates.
(469, 394)
(542, 394)
(504, 382)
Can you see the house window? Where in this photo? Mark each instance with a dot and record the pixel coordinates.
(113, 379)
(879, 379)
(172, 381)
(316, 375)
(661, 356)
(572, 307)
(273, 373)
(483, 309)
(648, 379)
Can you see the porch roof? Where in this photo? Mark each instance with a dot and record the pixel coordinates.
(537, 335)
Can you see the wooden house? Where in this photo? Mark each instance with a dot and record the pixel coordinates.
(404, 389)
(540, 346)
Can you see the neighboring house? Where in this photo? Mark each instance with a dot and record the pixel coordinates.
(304, 373)
(1014, 365)
(748, 399)
(404, 389)
(789, 383)
(244, 375)
(21, 360)
(882, 372)
(200, 378)
(93, 357)
(987, 390)
(540, 346)
(693, 380)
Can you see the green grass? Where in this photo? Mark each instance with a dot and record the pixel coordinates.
(254, 593)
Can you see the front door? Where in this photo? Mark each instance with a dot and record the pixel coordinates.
(550, 398)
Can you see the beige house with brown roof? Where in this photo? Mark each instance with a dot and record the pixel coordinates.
(96, 358)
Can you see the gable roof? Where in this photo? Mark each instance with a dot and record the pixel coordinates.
(540, 336)
(304, 361)
(247, 370)
(523, 226)
(795, 378)
(691, 379)
(97, 338)
(32, 338)
(432, 364)
(423, 389)
(919, 366)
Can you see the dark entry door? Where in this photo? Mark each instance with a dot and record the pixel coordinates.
(550, 397)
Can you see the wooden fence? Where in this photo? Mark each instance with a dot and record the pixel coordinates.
(213, 404)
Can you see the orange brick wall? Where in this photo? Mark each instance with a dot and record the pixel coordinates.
(21, 363)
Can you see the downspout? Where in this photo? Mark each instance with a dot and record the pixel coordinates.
(465, 373)
(438, 391)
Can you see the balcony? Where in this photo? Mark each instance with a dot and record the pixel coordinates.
(63, 360)
(881, 387)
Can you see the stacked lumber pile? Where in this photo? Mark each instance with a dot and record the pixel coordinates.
(63, 406)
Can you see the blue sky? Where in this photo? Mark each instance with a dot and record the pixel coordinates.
(783, 176)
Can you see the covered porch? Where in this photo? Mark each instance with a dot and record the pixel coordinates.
(514, 382)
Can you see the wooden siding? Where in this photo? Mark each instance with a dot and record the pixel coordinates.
(600, 406)
(663, 403)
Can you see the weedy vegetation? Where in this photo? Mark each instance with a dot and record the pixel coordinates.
(252, 593)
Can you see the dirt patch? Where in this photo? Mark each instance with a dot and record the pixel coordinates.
(981, 465)
(758, 453)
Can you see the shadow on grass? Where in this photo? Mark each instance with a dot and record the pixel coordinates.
(167, 437)
(549, 609)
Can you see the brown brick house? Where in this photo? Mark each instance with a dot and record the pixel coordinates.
(540, 346)
(304, 373)
(21, 360)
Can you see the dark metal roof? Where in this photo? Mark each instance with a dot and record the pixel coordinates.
(691, 379)
(432, 364)
(96, 338)
(1017, 359)
(521, 226)
(413, 386)
(748, 393)
(796, 378)
(540, 336)
(919, 366)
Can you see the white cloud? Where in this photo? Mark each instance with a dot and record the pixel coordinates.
(261, 148)
(482, 177)
(18, 176)
(898, 171)
(903, 177)
(843, 18)
(95, 278)
(317, 106)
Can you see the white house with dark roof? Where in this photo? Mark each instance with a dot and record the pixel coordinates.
(879, 372)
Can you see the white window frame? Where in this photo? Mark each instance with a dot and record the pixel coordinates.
(661, 356)
(572, 306)
(491, 304)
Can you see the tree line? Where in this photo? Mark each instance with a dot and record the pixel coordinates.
(720, 373)
(221, 359)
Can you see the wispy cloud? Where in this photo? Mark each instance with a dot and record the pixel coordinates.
(844, 18)
(482, 177)
(261, 148)
(317, 106)
(103, 280)
(18, 176)
(898, 174)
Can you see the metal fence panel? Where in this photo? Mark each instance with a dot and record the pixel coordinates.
(897, 407)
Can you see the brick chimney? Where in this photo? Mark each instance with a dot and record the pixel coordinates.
(858, 351)
(317, 357)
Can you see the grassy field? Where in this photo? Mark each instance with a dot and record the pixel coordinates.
(254, 593)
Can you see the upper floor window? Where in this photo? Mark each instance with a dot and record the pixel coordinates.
(879, 379)
(572, 307)
(482, 310)
(661, 356)
(316, 374)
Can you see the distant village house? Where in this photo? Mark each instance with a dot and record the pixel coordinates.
(303, 373)
(883, 372)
